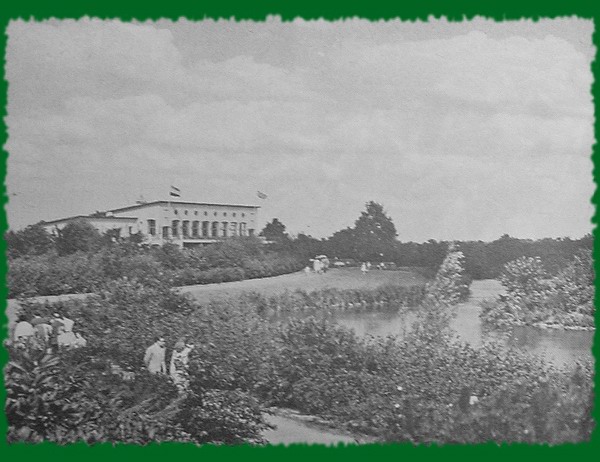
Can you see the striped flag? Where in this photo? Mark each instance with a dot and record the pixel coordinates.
(175, 192)
(261, 195)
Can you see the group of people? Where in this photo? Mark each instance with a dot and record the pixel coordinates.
(50, 333)
(320, 265)
(365, 267)
(154, 361)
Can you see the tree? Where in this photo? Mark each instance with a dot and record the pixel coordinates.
(373, 237)
(33, 240)
(306, 247)
(374, 234)
(274, 231)
(77, 236)
(342, 244)
(574, 286)
(450, 285)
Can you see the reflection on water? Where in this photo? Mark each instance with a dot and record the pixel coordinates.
(557, 346)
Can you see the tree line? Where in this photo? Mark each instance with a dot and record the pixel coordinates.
(374, 238)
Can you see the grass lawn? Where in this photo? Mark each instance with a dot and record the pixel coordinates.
(343, 278)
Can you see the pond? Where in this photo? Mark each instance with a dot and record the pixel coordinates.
(561, 347)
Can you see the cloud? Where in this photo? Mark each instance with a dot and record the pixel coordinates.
(461, 127)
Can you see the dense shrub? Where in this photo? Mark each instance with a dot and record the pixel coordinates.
(32, 240)
(52, 275)
(535, 298)
(325, 301)
(77, 236)
(80, 272)
(450, 285)
(415, 389)
(425, 387)
(119, 323)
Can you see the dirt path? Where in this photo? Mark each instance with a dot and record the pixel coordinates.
(290, 431)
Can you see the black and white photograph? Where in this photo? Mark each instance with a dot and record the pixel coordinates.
(307, 231)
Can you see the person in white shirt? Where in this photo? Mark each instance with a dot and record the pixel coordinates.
(67, 337)
(23, 330)
(154, 359)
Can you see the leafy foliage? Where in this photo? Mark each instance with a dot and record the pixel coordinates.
(32, 240)
(414, 390)
(372, 238)
(419, 388)
(119, 324)
(450, 285)
(274, 231)
(77, 236)
(534, 297)
(80, 272)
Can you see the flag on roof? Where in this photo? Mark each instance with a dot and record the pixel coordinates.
(175, 192)
(261, 195)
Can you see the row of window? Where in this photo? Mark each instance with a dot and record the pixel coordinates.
(185, 212)
(209, 229)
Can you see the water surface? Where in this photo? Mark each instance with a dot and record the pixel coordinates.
(561, 347)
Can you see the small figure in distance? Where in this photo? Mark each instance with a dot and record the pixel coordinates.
(154, 359)
(58, 328)
(179, 365)
(23, 330)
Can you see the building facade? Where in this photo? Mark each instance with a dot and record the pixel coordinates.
(186, 224)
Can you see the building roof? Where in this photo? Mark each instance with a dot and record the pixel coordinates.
(138, 206)
(87, 217)
(208, 204)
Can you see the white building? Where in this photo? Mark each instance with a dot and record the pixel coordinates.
(186, 224)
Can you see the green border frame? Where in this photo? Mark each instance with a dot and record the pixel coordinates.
(455, 10)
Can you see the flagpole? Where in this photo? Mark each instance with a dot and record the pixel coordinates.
(174, 192)
(168, 214)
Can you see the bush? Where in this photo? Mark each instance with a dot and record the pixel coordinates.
(77, 236)
(533, 297)
(91, 404)
(81, 272)
(418, 389)
(415, 390)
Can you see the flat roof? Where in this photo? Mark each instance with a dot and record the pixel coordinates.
(207, 204)
(87, 217)
(138, 206)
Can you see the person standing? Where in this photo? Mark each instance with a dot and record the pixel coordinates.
(179, 363)
(316, 266)
(67, 337)
(363, 268)
(57, 329)
(43, 333)
(154, 359)
(23, 330)
(326, 263)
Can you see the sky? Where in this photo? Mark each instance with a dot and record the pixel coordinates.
(462, 130)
